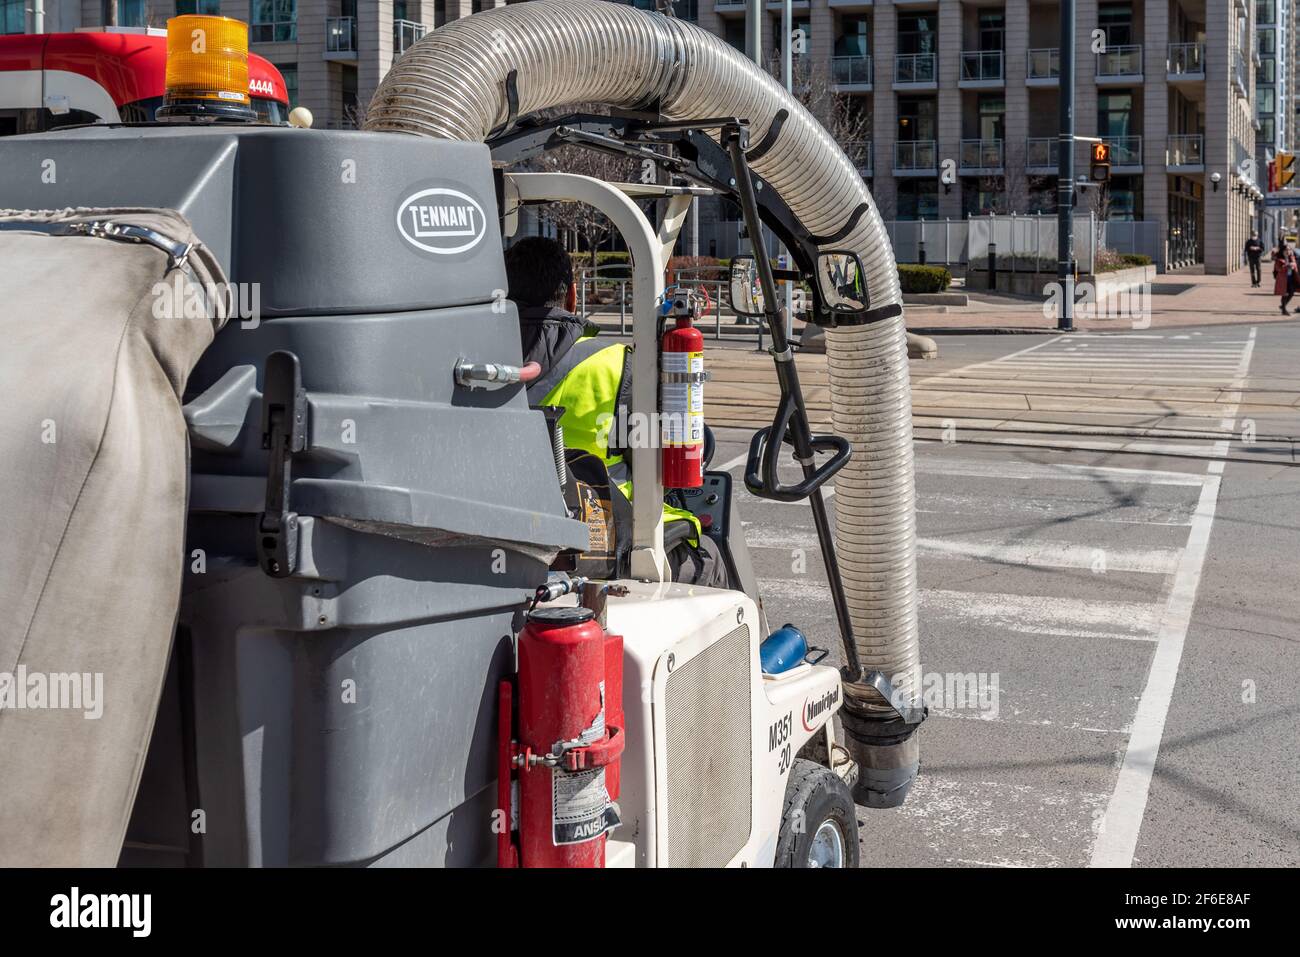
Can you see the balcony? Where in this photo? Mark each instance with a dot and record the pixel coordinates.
(1186, 63)
(1120, 65)
(981, 157)
(405, 33)
(1042, 155)
(982, 69)
(851, 73)
(915, 158)
(859, 151)
(726, 6)
(1044, 67)
(1185, 153)
(1240, 75)
(914, 71)
(340, 38)
(1125, 153)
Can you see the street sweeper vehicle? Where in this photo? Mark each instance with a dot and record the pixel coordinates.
(275, 482)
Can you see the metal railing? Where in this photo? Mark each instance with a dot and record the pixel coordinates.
(981, 154)
(340, 35)
(1024, 242)
(1186, 59)
(1042, 152)
(1239, 73)
(914, 155)
(851, 69)
(1124, 150)
(982, 65)
(1185, 149)
(405, 33)
(914, 68)
(1120, 60)
(1045, 63)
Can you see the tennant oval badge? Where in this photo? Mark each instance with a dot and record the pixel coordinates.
(441, 221)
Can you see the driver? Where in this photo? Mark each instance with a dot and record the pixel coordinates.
(591, 378)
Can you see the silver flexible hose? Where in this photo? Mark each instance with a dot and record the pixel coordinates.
(452, 85)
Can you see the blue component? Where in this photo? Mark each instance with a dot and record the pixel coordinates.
(782, 650)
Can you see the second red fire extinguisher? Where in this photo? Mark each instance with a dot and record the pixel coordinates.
(682, 399)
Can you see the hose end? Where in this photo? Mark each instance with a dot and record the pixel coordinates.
(888, 755)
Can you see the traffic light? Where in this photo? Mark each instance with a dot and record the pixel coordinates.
(1100, 172)
(1285, 169)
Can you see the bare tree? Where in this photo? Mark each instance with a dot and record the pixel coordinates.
(579, 221)
(839, 113)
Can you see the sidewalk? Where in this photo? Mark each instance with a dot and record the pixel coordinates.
(1177, 300)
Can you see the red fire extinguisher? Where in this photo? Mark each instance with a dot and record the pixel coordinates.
(681, 358)
(565, 754)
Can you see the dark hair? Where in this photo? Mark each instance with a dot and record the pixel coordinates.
(539, 271)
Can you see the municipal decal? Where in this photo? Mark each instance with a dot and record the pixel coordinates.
(815, 707)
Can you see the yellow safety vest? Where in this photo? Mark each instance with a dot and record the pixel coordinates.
(590, 376)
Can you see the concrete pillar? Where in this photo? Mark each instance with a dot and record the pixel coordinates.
(1155, 117)
(822, 25)
(950, 99)
(375, 47)
(884, 39)
(1016, 123)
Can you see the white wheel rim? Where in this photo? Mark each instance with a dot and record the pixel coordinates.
(827, 848)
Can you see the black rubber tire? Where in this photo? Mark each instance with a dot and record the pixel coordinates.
(813, 796)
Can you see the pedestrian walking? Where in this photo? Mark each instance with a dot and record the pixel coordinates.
(1285, 269)
(1253, 251)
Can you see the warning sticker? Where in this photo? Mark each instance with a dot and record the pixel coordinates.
(581, 809)
(682, 403)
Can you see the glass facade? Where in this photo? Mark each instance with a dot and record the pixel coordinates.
(273, 21)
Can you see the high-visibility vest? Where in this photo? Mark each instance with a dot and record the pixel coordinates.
(589, 382)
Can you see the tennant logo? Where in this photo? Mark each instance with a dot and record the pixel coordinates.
(441, 221)
(814, 707)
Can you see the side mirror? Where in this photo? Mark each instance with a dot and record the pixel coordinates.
(746, 290)
(842, 283)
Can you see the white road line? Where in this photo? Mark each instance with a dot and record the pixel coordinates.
(1031, 615)
(1034, 471)
(1035, 554)
(1152, 561)
(1120, 826)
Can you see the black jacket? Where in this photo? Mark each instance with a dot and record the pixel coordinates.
(1253, 249)
(548, 333)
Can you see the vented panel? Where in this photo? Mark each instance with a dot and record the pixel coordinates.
(707, 733)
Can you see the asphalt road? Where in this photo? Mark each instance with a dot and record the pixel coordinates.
(1109, 542)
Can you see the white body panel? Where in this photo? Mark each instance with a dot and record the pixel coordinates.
(665, 628)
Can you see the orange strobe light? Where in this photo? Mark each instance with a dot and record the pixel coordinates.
(207, 69)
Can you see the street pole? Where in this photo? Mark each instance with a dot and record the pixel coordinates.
(787, 70)
(1065, 172)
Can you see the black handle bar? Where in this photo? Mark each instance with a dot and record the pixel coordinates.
(765, 454)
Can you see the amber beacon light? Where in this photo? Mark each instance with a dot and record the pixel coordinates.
(207, 70)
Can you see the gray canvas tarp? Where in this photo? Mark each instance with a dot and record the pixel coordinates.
(93, 486)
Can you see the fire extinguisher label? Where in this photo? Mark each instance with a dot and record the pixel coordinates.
(580, 807)
(683, 402)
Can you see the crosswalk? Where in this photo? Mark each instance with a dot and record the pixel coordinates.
(1065, 498)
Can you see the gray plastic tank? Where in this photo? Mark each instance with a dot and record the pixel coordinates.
(344, 714)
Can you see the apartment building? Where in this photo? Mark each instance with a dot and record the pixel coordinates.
(1172, 90)
(1190, 94)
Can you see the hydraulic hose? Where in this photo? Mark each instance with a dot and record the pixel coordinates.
(462, 81)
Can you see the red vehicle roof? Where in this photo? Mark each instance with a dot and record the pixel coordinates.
(130, 66)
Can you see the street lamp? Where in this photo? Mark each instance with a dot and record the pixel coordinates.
(1214, 179)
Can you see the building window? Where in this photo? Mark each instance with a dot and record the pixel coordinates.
(13, 16)
(290, 73)
(207, 8)
(855, 37)
(992, 110)
(1114, 114)
(273, 21)
(1266, 40)
(1265, 12)
(1117, 20)
(1124, 198)
(992, 29)
(130, 13)
(916, 33)
(1266, 130)
(1264, 100)
(918, 199)
(439, 13)
(734, 33)
(1267, 71)
(917, 118)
